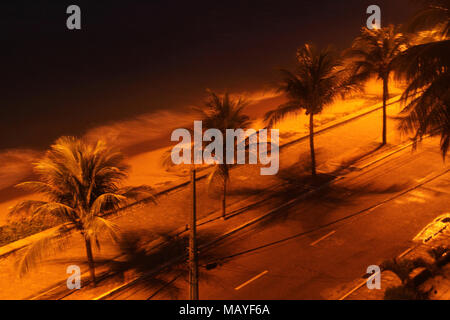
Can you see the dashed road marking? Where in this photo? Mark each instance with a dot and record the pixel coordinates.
(324, 237)
(251, 280)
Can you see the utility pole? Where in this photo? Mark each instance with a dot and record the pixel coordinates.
(193, 262)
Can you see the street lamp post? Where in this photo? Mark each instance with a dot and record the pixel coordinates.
(193, 263)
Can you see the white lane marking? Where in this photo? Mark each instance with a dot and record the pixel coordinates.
(252, 279)
(353, 290)
(324, 237)
(404, 253)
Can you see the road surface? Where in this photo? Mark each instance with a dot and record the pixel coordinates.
(321, 247)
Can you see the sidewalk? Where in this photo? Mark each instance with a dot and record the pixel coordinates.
(337, 147)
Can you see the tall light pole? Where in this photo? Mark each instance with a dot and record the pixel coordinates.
(193, 262)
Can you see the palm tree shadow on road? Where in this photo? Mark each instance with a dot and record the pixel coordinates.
(319, 197)
(143, 259)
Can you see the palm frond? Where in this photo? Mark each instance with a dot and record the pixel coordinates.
(40, 187)
(223, 112)
(433, 14)
(56, 241)
(106, 200)
(56, 209)
(319, 78)
(26, 206)
(427, 97)
(374, 52)
(139, 193)
(98, 226)
(283, 110)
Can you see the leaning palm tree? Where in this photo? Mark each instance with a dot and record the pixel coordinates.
(373, 53)
(81, 182)
(426, 68)
(319, 79)
(222, 113)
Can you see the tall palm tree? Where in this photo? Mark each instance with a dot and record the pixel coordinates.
(81, 182)
(320, 77)
(373, 53)
(426, 68)
(222, 113)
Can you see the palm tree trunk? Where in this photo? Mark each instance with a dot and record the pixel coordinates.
(311, 144)
(90, 258)
(385, 97)
(224, 198)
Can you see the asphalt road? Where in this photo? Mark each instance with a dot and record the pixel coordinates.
(321, 247)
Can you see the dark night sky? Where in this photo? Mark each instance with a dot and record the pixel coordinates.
(133, 57)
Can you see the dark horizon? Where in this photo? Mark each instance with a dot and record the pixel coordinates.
(138, 57)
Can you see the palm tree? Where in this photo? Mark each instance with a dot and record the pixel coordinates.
(426, 68)
(223, 112)
(319, 78)
(81, 182)
(373, 53)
